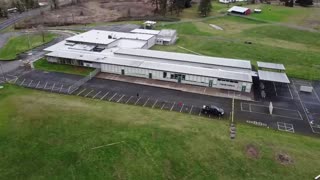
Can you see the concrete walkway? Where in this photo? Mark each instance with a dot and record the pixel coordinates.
(180, 87)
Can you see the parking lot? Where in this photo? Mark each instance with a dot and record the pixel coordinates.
(293, 111)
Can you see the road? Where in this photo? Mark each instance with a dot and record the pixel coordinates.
(18, 17)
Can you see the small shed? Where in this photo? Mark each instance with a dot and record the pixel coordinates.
(240, 10)
(149, 24)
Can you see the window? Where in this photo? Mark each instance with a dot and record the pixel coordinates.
(165, 75)
(183, 77)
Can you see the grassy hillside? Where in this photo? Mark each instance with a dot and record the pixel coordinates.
(54, 136)
(297, 49)
(20, 44)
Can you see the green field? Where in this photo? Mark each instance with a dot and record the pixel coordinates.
(298, 50)
(23, 43)
(51, 136)
(43, 64)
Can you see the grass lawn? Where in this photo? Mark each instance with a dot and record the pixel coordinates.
(43, 64)
(298, 50)
(53, 136)
(19, 44)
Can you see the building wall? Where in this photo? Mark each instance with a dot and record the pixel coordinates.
(188, 78)
(159, 75)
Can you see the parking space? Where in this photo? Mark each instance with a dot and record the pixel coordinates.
(313, 116)
(277, 111)
(285, 127)
(306, 97)
(283, 90)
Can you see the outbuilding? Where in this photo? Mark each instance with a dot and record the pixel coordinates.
(240, 10)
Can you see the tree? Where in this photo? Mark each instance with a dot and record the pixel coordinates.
(205, 7)
(176, 6)
(305, 2)
(54, 4)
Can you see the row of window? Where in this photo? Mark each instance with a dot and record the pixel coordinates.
(226, 80)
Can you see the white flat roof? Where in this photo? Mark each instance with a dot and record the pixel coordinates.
(238, 9)
(273, 76)
(145, 31)
(102, 37)
(244, 64)
(271, 65)
(185, 69)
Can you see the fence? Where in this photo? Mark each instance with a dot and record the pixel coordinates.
(82, 81)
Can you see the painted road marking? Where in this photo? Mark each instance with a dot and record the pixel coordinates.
(113, 96)
(22, 82)
(285, 127)
(146, 102)
(137, 101)
(190, 109)
(128, 99)
(154, 103)
(181, 107)
(61, 88)
(45, 85)
(96, 95)
(53, 86)
(38, 84)
(120, 98)
(81, 91)
(88, 93)
(104, 95)
(163, 105)
(30, 83)
(172, 106)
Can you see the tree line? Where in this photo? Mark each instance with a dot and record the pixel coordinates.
(21, 5)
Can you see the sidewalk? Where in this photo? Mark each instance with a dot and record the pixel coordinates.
(181, 87)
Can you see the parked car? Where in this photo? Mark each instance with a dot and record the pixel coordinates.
(212, 110)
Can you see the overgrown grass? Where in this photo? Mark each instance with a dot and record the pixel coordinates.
(53, 136)
(22, 43)
(43, 64)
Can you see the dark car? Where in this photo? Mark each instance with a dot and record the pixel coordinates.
(212, 110)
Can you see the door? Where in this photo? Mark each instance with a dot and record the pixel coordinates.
(243, 89)
(210, 83)
(179, 78)
(150, 75)
(122, 72)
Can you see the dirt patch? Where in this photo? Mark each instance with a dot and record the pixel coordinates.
(252, 151)
(284, 158)
(91, 11)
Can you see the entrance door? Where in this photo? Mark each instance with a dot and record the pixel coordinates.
(243, 88)
(122, 71)
(210, 83)
(150, 75)
(179, 78)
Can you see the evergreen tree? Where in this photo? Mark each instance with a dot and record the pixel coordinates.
(305, 2)
(205, 7)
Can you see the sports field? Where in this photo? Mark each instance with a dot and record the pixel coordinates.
(278, 34)
(44, 135)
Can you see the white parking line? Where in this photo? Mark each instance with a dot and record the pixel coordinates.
(61, 88)
(290, 91)
(128, 99)
(120, 98)
(172, 106)
(30, 83)
(113, 96)
(275, 89)
(137, 101)
(285, 127)
(45, 85)
(250, 110)
(104, 95)
(200, 113)
(146, 102)
(38, 84)
(96, 95)
(22, 82)
(163, 105)
(15, 80)
(190, 109)
(304, 108)
(53, 86)
(154, 103)
(181, 107)
(88, 93)
(81, 91)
